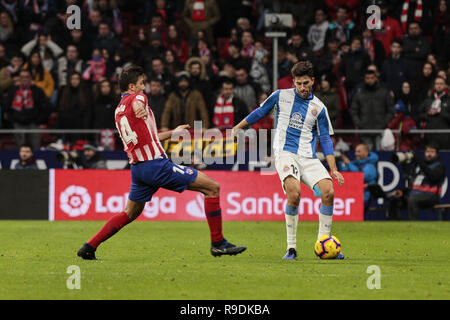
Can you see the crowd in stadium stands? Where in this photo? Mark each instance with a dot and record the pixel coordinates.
(202, 57)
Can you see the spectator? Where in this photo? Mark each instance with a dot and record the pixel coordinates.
(26, 107)
(96, 69)
(178, 45)
(343, 27)
(151, 52)
(164, 9)
(235, 57)
(245, 89)
(157, 24)
(258, 71)
(429, 175)
(243, 23)
(388, 29)
(248, 47)
(171, 62)
(435, 111)
(402, 121)
(317, 32)
(7, 35)
(201, 15)
(283, 64)
(229, 110)
(212, 70)
(200, 82)
(416, 47)
(423, 185)
(331, 60)
(41, 77)
(373, 47)
(421, 86)
(82, 42)
(27, 160)
(328, 95)
(395, 69)
(354, 63)
(366, 162)
(73, 112)
(68, 64)
(48, 50)
(92, 158)
(184, 106)
(109, 14)
(101, 115)
(156, 100)
(95, 18)
(7, 73)
(106, 39)
(297, 42)
(159, 71)
(372, 108)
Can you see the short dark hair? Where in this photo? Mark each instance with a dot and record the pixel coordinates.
(369, 71)
(303, 68)
(398, 41)
(432, 146)
(155, 79)
(25, 145)
(129, 75)
(227, 81)
(343, 7)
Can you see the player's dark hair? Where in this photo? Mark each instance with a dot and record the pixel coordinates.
(303, 68)
(369, 71)
(130, 75)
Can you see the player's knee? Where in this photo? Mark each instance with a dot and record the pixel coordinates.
(293, 195)
(328, 194)
(213, 189)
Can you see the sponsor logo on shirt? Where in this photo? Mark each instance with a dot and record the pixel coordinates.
(296, 121)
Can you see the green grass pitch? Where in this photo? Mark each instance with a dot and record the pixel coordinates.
(171, 260)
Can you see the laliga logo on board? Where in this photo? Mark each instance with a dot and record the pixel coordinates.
(196, 208)
(75, 201)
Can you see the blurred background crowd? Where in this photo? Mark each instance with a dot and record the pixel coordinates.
(210, 60)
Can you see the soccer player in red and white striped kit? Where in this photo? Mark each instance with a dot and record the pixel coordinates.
(151, 169)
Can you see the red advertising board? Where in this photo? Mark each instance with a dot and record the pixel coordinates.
(98, 194)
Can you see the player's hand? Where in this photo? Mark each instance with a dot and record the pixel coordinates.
(339, 177)
(182, 127)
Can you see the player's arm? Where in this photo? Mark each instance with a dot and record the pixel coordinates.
(325, 129)
(258, 113)
(139, 109)
(167, 134)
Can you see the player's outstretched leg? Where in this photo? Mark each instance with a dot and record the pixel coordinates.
(326, 209)
(211, 190)
(292, 188)
(112, 226)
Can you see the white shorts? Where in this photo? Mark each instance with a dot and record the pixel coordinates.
(307, 170)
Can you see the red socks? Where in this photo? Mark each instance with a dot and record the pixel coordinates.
(113, 225)
(214, 217)
(117, 222)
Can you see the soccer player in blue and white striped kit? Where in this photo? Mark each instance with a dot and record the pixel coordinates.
(301, 118)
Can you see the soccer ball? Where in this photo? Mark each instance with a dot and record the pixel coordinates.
(327, 247)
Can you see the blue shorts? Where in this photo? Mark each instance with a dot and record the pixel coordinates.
(148, 176)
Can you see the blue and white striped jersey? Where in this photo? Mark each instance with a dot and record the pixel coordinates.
(298, 122)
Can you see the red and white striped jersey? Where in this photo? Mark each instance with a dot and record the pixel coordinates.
(139, 136)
